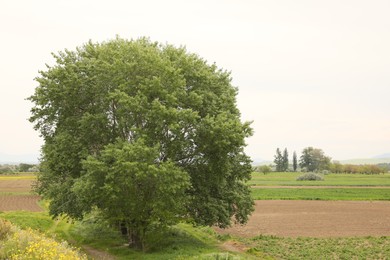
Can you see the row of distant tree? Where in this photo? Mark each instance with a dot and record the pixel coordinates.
(315, 160)
(22, 167)
(311, 159)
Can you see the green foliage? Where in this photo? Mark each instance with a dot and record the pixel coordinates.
(285, 160)
(295, 162)
(278, 160)
(313, 159)
(319, 248)
(126, 184)
(265, 169)
(24, 167)
(281, 160)
(310, 176)
(103, 102)
(337, 167)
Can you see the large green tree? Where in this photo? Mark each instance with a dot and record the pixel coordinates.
(314, 159)
(132, 126)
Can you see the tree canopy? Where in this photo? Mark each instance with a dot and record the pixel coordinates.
(314, 159)
(133, 125)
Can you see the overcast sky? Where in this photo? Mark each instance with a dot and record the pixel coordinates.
(309, 73)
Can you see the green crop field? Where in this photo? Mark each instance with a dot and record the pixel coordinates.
(320, 194)
(334, 187)
(289, 179)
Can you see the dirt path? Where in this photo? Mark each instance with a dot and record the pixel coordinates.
(316, 219)
(320, 187)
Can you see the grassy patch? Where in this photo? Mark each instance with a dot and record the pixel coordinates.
(289, 179)
(182, 241)
(320, 194)
(320, 248)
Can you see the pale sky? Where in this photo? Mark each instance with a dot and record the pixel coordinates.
(309, 73)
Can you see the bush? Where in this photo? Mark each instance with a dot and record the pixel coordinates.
(29, 244)
(5, 229)
(310, 177)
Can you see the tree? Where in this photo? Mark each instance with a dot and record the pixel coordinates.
(295, 162)
(265, 169)
(285, 160)
(24, 167)
(130, 122)
(313, 159)
(278, 160)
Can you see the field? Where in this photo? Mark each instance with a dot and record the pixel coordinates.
(343, 217)
(15, 193)
(289, 179)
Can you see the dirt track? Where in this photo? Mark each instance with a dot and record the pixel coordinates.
(292, 218)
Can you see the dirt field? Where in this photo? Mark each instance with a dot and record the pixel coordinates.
(19, 202)
(288, 218)
(16, 185)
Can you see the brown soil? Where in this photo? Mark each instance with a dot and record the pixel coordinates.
(316, 219)
(16, 185)
(19, 202)
(321, 187)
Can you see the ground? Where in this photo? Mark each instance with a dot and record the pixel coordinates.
(19, 202)
(292, 218)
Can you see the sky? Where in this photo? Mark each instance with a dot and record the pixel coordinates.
(309, 73)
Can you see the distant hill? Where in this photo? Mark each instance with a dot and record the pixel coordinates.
(381, 156)
(18, 158)
(367, 161)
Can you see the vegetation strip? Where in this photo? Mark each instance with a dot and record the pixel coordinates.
(318, 187)
(321, 194)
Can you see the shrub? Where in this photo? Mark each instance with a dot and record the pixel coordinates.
(5, 229)
(310, 177)
(29, 244)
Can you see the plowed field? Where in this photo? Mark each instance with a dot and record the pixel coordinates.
(294, 218)
(19, 202)
(14, 194)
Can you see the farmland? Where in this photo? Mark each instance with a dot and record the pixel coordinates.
(344, 216)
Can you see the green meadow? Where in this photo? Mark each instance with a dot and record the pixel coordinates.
(289, 179)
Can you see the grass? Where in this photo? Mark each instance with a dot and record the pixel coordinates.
(289, 179)
(271, 247)
(320, 194)
(182, 241)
